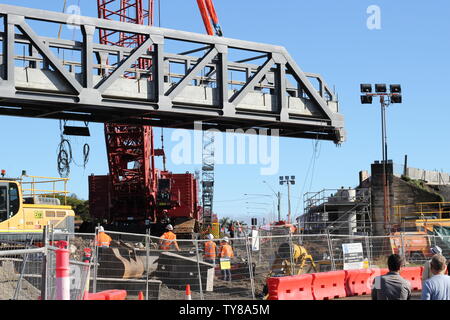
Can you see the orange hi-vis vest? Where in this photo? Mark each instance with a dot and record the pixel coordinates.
(210, 250)
(166, 244)
(103, 239)
(226, 251)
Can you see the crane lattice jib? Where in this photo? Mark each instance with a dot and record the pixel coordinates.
(134, 186)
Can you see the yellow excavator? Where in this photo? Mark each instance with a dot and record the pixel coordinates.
(283, 265)
(26, 208)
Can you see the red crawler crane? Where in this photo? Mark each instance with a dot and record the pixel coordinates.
(135, 190)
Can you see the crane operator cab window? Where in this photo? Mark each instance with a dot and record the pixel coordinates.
(9, 200)
(3, 203)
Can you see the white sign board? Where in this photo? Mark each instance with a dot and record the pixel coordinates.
(75, 277)
(353, 256)
(255, 240)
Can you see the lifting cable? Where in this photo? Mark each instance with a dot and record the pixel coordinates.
(65, 156)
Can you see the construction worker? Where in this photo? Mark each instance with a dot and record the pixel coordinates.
(209, 255)
(226, 253)
(102, 239)
(426, 273)
(168, 238)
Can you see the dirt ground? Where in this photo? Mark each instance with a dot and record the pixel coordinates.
(8, 283)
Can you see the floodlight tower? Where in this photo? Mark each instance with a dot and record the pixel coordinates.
(386, 99)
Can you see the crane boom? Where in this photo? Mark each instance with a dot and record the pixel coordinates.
(209, 16)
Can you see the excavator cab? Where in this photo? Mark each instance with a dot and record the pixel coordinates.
(9, 200)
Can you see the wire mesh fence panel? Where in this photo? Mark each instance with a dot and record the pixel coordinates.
(20, 272)
(176, 264)
(263, 255)
(78, 273)
(160, 269)
(381, 247)
(233, 277)
(121, 266)
(317, 253)
(350, 252)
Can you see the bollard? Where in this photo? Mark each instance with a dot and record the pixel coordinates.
(188, 292)
(62, 272)
(87, 255)
(87, 259)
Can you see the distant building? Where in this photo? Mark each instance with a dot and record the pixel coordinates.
(412, 195)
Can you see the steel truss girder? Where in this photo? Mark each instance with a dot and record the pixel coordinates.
(298, 110)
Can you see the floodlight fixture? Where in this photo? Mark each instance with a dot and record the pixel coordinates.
(366, 99)
(396, 88)
(366, 88)
(380, 88)
(396, 98)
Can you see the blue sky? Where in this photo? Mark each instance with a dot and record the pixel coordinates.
(327, 37)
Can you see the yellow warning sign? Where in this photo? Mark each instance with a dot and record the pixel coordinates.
(225, 264)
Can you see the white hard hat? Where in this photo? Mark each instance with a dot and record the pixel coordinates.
(169, 227)
(225, 239)
(210, 236)
(101, 229)
(436, 250)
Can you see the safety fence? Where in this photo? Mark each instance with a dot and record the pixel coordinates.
(28, 272)
(137, 264)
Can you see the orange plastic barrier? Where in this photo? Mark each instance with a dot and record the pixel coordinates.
(383, 271)
(291, 288)
(358, 282)
(329, 285)
(414, 276)
(107, 295)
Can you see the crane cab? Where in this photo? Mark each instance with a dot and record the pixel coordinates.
(25, 209)
(9, 199)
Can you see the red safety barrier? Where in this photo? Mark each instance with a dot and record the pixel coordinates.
(383, 271)
(291, 288)
(414, 276)
(358, 282)
(329, 285)
(107, 295)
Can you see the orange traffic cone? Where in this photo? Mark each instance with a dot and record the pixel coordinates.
(188, 292)
(140, 296)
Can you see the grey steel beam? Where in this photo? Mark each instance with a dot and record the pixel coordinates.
(88, 51)
(124, 65)
(8, 51)
(238, 96)
(45, 51)
(176, 89)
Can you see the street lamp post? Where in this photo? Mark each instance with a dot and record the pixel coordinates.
(288, 180)
(278, 195)
(386, 99)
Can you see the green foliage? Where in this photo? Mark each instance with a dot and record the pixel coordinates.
(422, 185)
(79, 206)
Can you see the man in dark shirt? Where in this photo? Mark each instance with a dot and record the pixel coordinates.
(392, 286)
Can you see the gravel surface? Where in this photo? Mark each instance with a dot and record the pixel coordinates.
(8, 284)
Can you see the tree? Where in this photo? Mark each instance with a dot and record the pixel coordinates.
(223, 222)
